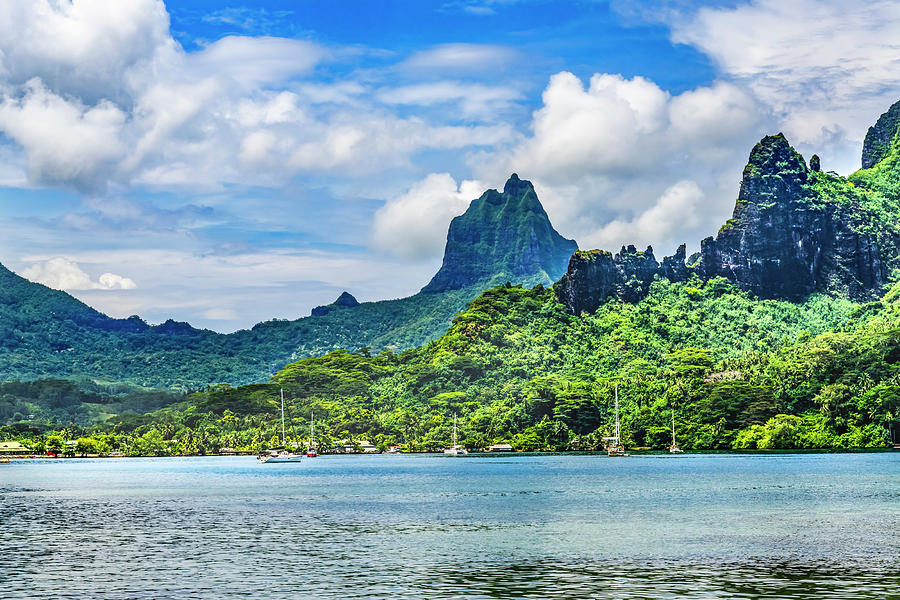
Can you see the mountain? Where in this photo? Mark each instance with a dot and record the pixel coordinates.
(795, 231)
(502, 237)
(47, 333)
(880, 137)
(784, 332)
(518, 368)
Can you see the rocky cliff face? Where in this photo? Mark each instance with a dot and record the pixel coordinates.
(785, 240)
(596, 275)
(880, 137)
(782, 242)
(345, 300)
(502, 236)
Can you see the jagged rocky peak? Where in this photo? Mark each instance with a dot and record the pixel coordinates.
(596, 275)
(781, 242)
(880, 136)
(502, 236)
(784, 243)
(345, 300)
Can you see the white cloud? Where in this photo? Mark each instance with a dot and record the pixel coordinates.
(461, 58)
(255, 284)
(474, 100)
(677, 210)
(63, 274)
(83, 48)
(609, 158)
(257, 61)
(414, 225)
(221, 314)
(65, 141)
(826, 68)
(99, 93)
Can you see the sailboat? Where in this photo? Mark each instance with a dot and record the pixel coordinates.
(311, 451)
(280, 455)
(674, 449)
(455, 449)
(615, 447)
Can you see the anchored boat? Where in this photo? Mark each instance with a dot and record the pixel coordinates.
(280, 455)
(674, 449)
(615, 446)
(455, 449)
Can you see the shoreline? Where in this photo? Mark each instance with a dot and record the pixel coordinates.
(35, 457)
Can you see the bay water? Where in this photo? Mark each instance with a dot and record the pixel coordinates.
(775, 526)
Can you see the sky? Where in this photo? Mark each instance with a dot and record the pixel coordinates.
(226, 164)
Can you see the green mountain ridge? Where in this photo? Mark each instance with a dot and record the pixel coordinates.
(47, 333)
(820, 369)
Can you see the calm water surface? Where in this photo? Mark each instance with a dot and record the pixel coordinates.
(643, 527)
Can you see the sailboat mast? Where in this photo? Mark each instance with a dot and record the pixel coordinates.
(454, 431)
(282, 418)
(673, 426)
(618, 434)
(312, 420)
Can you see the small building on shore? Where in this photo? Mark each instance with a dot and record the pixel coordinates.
(357, 447)
(14, 449)
(499, 448)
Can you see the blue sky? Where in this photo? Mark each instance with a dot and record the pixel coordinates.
(230, 163)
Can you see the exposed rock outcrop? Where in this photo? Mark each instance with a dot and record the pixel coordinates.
(880, 136)
(345, 300)
(596, 275)
(503, 236)
(783, 241)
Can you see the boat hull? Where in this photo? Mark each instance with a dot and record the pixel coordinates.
(280, 459)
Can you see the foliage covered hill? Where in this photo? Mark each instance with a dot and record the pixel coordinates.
(52, 335)
(517, 367)
(46, 333)
(795, 231)
(503, 236)
(35, 406)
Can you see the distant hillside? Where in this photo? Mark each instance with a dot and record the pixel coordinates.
(46, 333)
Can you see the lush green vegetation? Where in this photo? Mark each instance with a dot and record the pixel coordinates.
(45, 333)
(739, 373)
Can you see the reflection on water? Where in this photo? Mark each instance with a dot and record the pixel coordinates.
(774, 527)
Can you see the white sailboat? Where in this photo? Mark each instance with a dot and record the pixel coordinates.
(615, 447)
(311, 451)
(674, 449)
(455, 449)
(280, 455)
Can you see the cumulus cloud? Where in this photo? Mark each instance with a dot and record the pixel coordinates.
(99, 94)
(88, 49)
(610, 157)
(65, 141)
(676, 210)
(414, 224)
(827, 68)
(63, 274)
